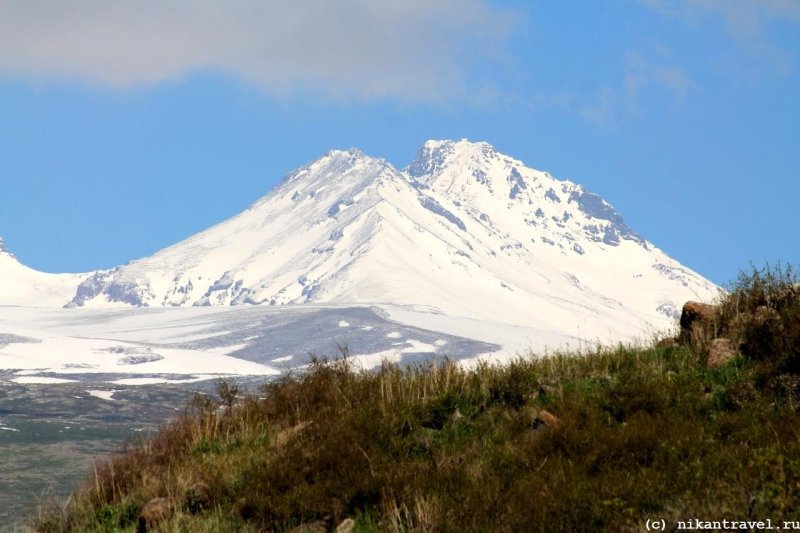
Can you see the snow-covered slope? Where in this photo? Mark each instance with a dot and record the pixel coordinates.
(463, 231)
(20, 285)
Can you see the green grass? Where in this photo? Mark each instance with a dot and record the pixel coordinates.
(643, 433)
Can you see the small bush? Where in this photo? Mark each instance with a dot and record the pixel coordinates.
(761, 314)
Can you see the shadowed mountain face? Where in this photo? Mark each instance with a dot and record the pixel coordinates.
(127, 346)
(268, 338)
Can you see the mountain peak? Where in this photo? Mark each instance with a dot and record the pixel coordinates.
(465, 229)
(349, 154)
(335, 165)
(434, 155)
(342, 160)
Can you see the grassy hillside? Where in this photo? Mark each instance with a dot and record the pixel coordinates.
(574, 442)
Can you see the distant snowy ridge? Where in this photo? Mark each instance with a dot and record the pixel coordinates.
(463, 231)
(21, 285)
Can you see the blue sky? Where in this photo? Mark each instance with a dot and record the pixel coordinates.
(127, 126)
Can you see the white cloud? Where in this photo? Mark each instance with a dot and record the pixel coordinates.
(750, 24)
(643, 78)
(744, 19)
(406, 49)
(642, 73)
(674, 79)
(599, 107)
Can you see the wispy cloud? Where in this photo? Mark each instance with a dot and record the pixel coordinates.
(744, 19)
(643, 73)
(411, 50)
(748, 23)
(643, 77)
(599, 107)
(674, 79)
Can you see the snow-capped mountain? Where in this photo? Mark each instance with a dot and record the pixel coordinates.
(21, 285)
(463, 231)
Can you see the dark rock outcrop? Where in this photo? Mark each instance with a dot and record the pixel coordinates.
(696, 317)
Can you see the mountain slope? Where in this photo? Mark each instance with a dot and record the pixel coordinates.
(464, 231)
(21, 285)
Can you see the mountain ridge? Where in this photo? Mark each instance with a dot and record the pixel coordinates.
(463, 230)
(21, 285)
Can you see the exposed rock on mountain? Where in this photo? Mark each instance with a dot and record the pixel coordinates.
(464, 230)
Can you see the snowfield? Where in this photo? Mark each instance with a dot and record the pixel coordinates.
(144, 346)
(466, 252)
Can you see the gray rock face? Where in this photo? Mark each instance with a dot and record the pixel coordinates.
(595, 207)
(430, 159)
(669, 309)
(435, 207)
(116, 291)
(517, 183)
(94, 285)
(335, 208)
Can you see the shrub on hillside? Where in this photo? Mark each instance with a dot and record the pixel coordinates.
(758, 317)
(761, 315)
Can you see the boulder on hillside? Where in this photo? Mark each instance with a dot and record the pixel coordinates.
(695, 317)
(197, 497)
(669, 342)
(720, 352)
(547, 419)
(153, 513)
(312, 527)
(348, 525)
